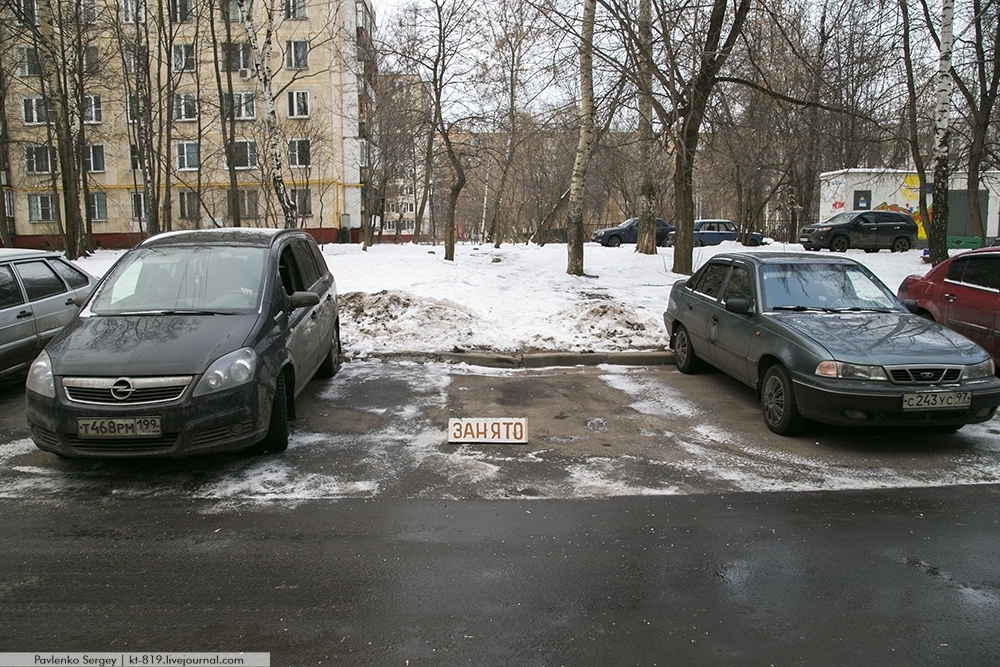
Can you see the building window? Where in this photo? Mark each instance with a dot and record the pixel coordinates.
(231, 10)
(184, 58)
(297, 55)
(244, 154)
(187, 155)
(134, 108)
(27, 12)
(247, 200)
(295, 9)
(40, 208)
(181, 11)
(93, 158)
(298, 104)
(298, 153)
(185, 106)
(189, 204)
(92, 113)
(8, 202)
(97, 205)
(35, 111)
(303, 201)
(28, 63)
(133, 154)
(89, 11)
(237, 56)
(240, 105)
(138, 206)
(91, 59)
(39, 159)
(134, 11)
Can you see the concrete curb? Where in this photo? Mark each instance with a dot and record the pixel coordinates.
(532, 359)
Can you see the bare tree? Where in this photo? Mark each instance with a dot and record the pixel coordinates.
(574, 223)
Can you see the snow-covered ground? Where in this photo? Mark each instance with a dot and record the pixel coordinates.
(519, 298)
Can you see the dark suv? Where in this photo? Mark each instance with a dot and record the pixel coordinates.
(193, 342)
(870, 231)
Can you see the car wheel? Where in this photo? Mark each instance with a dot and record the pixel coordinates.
(276, 439)
(698, 243)
(331, 364)
(777, 400)
(753, 242)
(870, 250)
(840, 244)
(615, 241)
(901, 245)
(684, 354)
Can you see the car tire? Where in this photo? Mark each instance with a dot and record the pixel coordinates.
(684, 355)
(869, 251)
(276, 439)
(840, 244)
(753, 243)
(777, 400)
(615, 241)
(902, 244)
(331, 364)
(698, 243)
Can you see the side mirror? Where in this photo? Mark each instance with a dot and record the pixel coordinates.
(303, 300)
(738, 305)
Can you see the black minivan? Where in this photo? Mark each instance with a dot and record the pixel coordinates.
(870, 231)
(194, 342)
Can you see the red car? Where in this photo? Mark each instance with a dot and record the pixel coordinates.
(962, 293)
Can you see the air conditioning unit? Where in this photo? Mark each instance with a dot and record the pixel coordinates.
(245, 73)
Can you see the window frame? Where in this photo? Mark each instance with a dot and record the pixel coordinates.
(33, 165)
(97, 206)
(184, 151)
(40, 210)
(250, 152)
(294, 98)
(295, 57)
(185, 55)
(185, 107)
(93, 113)
(295, 153)
(39, 109)
(92, 150)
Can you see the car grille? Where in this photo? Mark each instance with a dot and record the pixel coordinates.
(924, 375)
(123, 445)
(125, 391)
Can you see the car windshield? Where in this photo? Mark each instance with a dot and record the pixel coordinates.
(183, 279)
(827, 287)
(840, 218)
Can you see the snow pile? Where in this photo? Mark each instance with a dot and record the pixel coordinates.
(407, 298)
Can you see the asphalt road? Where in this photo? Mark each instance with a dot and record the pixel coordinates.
(651, 520)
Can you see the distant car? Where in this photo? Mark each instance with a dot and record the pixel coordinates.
(821, 338)
(870, 231)
(193, 342)
(628, 232)
(40, 292)
(962, 293)
(714, 232)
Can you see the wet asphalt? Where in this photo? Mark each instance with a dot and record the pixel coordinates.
(623, 534)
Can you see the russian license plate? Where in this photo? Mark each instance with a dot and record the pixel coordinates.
(131, 427)
(937, 400)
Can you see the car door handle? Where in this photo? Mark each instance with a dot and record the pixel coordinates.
(23, 314)
(70, 301)
(950, 298)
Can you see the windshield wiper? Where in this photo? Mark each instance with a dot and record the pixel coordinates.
(800, 309)
(859, 309)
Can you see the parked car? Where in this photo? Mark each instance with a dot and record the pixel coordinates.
(193, 342)
(628, 232)
(962, 293)
(714, 232)
(821, 338)
(40, 292)
(870, 231)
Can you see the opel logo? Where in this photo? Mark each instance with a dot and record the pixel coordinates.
(122, 389)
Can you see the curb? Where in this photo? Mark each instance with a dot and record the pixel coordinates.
(532, 359)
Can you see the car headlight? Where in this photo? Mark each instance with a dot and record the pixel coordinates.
(839, 369)
(40, 378)
(228, 371)
(985, 369)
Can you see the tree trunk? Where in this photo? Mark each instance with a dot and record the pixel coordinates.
(646, 242)
(938, 232)
(574, 222)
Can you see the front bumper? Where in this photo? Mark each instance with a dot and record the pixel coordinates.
(847, 403)
(227, 421)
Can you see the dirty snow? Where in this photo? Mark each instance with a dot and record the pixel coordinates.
(518, 298)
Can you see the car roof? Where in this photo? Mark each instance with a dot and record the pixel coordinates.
(765, 258)
(23, 253)
(240, 236)
(987, 250)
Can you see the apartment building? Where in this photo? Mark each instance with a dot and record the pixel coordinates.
(125, 121)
